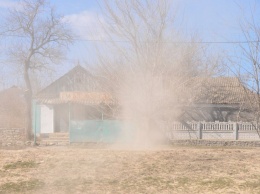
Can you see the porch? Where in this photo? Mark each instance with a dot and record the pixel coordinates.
(57, 118)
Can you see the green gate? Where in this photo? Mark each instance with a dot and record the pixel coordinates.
(107, 131)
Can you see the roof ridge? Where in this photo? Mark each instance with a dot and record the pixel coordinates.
(74, 69)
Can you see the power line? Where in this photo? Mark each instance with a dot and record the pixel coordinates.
(175, 42)
(170, 42)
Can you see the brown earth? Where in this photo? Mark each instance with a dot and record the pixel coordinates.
(95, 170)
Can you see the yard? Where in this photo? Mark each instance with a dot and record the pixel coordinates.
(102, 170)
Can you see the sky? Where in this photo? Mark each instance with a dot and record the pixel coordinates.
(212, 20)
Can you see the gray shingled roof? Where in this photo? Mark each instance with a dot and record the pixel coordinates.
(218, 90)
(199, 90)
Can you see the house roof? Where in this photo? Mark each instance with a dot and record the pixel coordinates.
(60, 84)
(89, 98)
(78, 85)
(12, 108)
(12, 95)
(198, 90)
(218, 90)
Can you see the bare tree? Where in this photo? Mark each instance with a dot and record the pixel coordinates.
(247, 64)
(39, 39)
(148, 62)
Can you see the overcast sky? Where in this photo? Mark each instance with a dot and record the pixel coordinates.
(212, 20)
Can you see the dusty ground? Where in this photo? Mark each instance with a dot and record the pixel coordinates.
(168, 170)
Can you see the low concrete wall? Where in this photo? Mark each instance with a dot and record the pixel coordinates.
(220, 143)
(184, 135)
(12, 137)
(245, 135)
(212, 130)
(216, 135)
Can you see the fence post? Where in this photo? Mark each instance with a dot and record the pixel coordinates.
(199, 130)
(235, 131)
(69, 123)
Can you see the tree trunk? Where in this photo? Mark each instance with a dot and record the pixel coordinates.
(28, 98)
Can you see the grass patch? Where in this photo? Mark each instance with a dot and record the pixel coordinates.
(64, 182)
(148, 182)
(113, 182)
(183, 181)
(219, 183)
(253, 185)
(22, 186)
(20, 164)
(2, 173)
(156, 182)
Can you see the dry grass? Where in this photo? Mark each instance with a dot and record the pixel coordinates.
(168, 170)
(20, 164)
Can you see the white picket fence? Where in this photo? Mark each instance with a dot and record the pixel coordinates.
(212, 130)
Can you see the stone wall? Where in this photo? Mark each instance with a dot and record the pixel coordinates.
(12, 137)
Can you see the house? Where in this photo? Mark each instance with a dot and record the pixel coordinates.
(12, 108)
(73, 97)
(75, 104)
(218, 99)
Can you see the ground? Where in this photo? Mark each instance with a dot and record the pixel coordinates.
(102, 170)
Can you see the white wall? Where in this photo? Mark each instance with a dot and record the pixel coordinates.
(47, 119)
